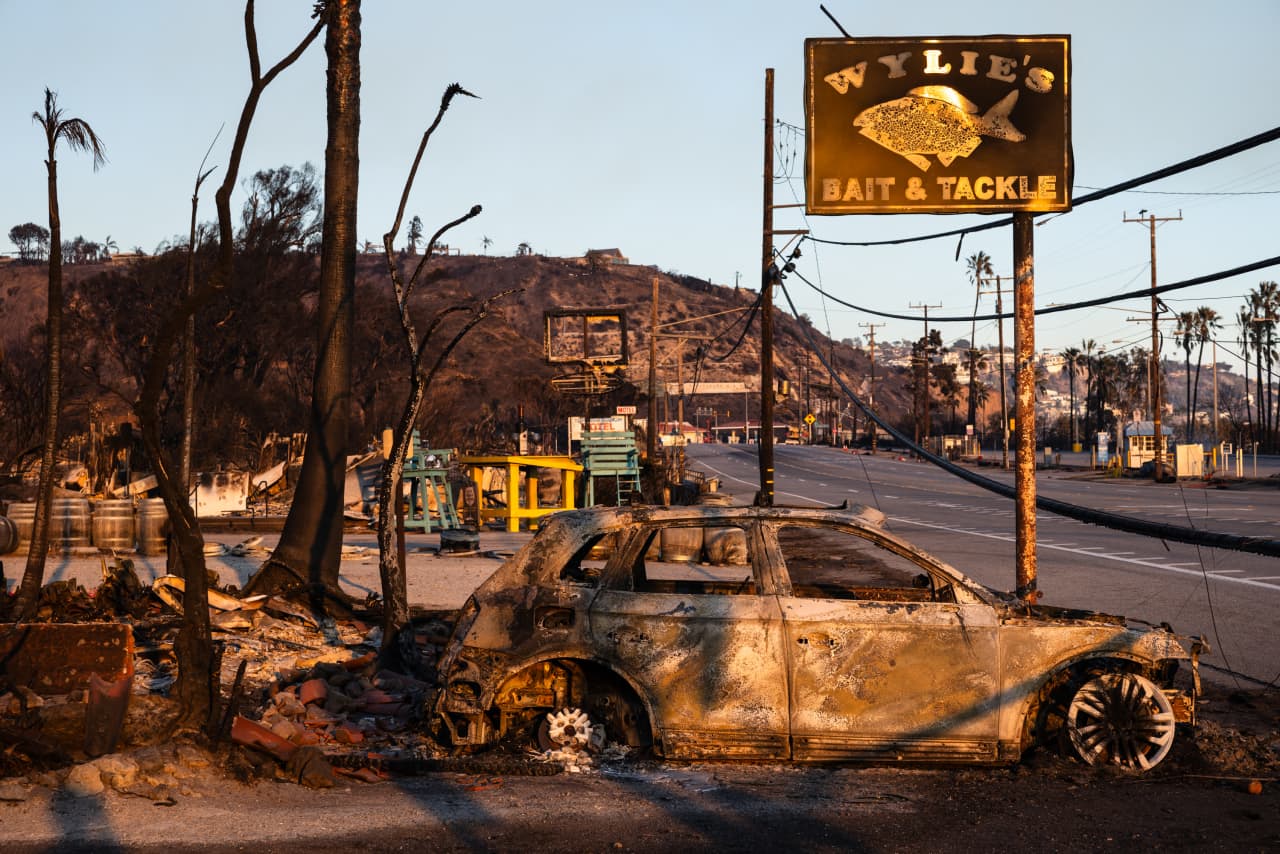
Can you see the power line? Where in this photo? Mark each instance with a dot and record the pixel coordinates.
(1183, 166)
(1195, 193)
(1053, 309)
(1163, 531)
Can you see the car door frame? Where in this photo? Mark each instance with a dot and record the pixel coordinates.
(863, 675)
(713, 666)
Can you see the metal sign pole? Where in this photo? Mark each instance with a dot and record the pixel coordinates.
(1025, 402)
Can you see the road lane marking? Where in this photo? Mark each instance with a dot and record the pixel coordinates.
(1147, 562)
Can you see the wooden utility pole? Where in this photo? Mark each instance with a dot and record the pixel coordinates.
(651, 434)
(871, 391)
(767, 274)
(1156, 403)
(1024, 346)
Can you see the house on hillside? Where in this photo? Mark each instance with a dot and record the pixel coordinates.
(604, 256)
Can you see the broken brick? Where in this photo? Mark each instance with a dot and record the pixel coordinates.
(313, 691)
(361, 662)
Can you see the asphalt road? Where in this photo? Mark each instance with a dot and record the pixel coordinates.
(1229, 597)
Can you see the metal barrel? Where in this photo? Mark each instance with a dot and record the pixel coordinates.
(152, 527)
(680, 545)
(69, 523)
(8, 535)
(113, 524)
(23, 515)
(723, 546)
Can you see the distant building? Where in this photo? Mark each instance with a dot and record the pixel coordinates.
(605, 256)
(1140, 442)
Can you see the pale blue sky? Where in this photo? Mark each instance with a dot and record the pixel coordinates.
(639, 126)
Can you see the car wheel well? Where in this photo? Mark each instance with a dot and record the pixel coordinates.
(606, 696)
(1045, 720)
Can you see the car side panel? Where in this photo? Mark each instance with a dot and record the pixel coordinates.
(712, 664)
(877, 680)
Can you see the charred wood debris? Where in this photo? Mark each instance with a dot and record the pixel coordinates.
(302, 699)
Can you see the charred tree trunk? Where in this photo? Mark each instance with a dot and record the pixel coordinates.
(33, 574)
(392, 572)
(197, 687)
(310, 545)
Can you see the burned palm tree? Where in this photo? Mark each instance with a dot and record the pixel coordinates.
(77, 135)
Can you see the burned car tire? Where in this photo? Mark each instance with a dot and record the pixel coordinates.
(1120, 719)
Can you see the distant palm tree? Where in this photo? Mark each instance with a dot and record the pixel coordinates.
(1244, 319)
(1269, 312)
(1207, 324)
(1185, 334)
(1071, 358)
(108, 247)
(486, 243)
(1264, 304)
(1087, 346)
(78, 136)
(978, 265)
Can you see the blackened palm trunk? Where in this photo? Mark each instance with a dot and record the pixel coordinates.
(310, 545)
(33, 574)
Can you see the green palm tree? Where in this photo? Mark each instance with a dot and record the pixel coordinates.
(977, 265)
(1087, 346)
(1244, 319)
(1264, 302)
(1268, 313)
(1185, 335)
(1206, 326)
(77, 135)
(1071, 359)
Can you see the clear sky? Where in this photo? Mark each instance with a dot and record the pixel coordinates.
(639, 126)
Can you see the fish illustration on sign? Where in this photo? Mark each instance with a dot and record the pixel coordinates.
(936, 120)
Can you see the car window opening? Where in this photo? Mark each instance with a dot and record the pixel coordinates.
(831, 563)
(695, 560)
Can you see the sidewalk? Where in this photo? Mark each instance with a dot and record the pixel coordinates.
(434, 582)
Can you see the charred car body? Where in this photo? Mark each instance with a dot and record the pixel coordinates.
(789, 633)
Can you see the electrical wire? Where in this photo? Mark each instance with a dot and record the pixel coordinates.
(1174, 169)
(1053, 309)
(1159, 530)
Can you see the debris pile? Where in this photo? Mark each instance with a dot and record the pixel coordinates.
(1230, 751)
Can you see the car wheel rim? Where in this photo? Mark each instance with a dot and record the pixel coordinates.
(566, 728)
(1123, 719)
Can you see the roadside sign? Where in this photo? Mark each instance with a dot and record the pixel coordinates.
(809, 418)
(938, 125)
(626, 410)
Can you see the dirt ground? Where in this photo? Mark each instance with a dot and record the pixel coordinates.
(1197, 799)
(157, 795)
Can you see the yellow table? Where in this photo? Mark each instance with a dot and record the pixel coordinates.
(514, 512)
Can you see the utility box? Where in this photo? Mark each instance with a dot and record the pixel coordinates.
(1189, 460)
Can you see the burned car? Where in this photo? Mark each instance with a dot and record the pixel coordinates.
(793, 633)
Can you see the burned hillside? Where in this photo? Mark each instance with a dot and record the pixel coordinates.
(255, 345)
